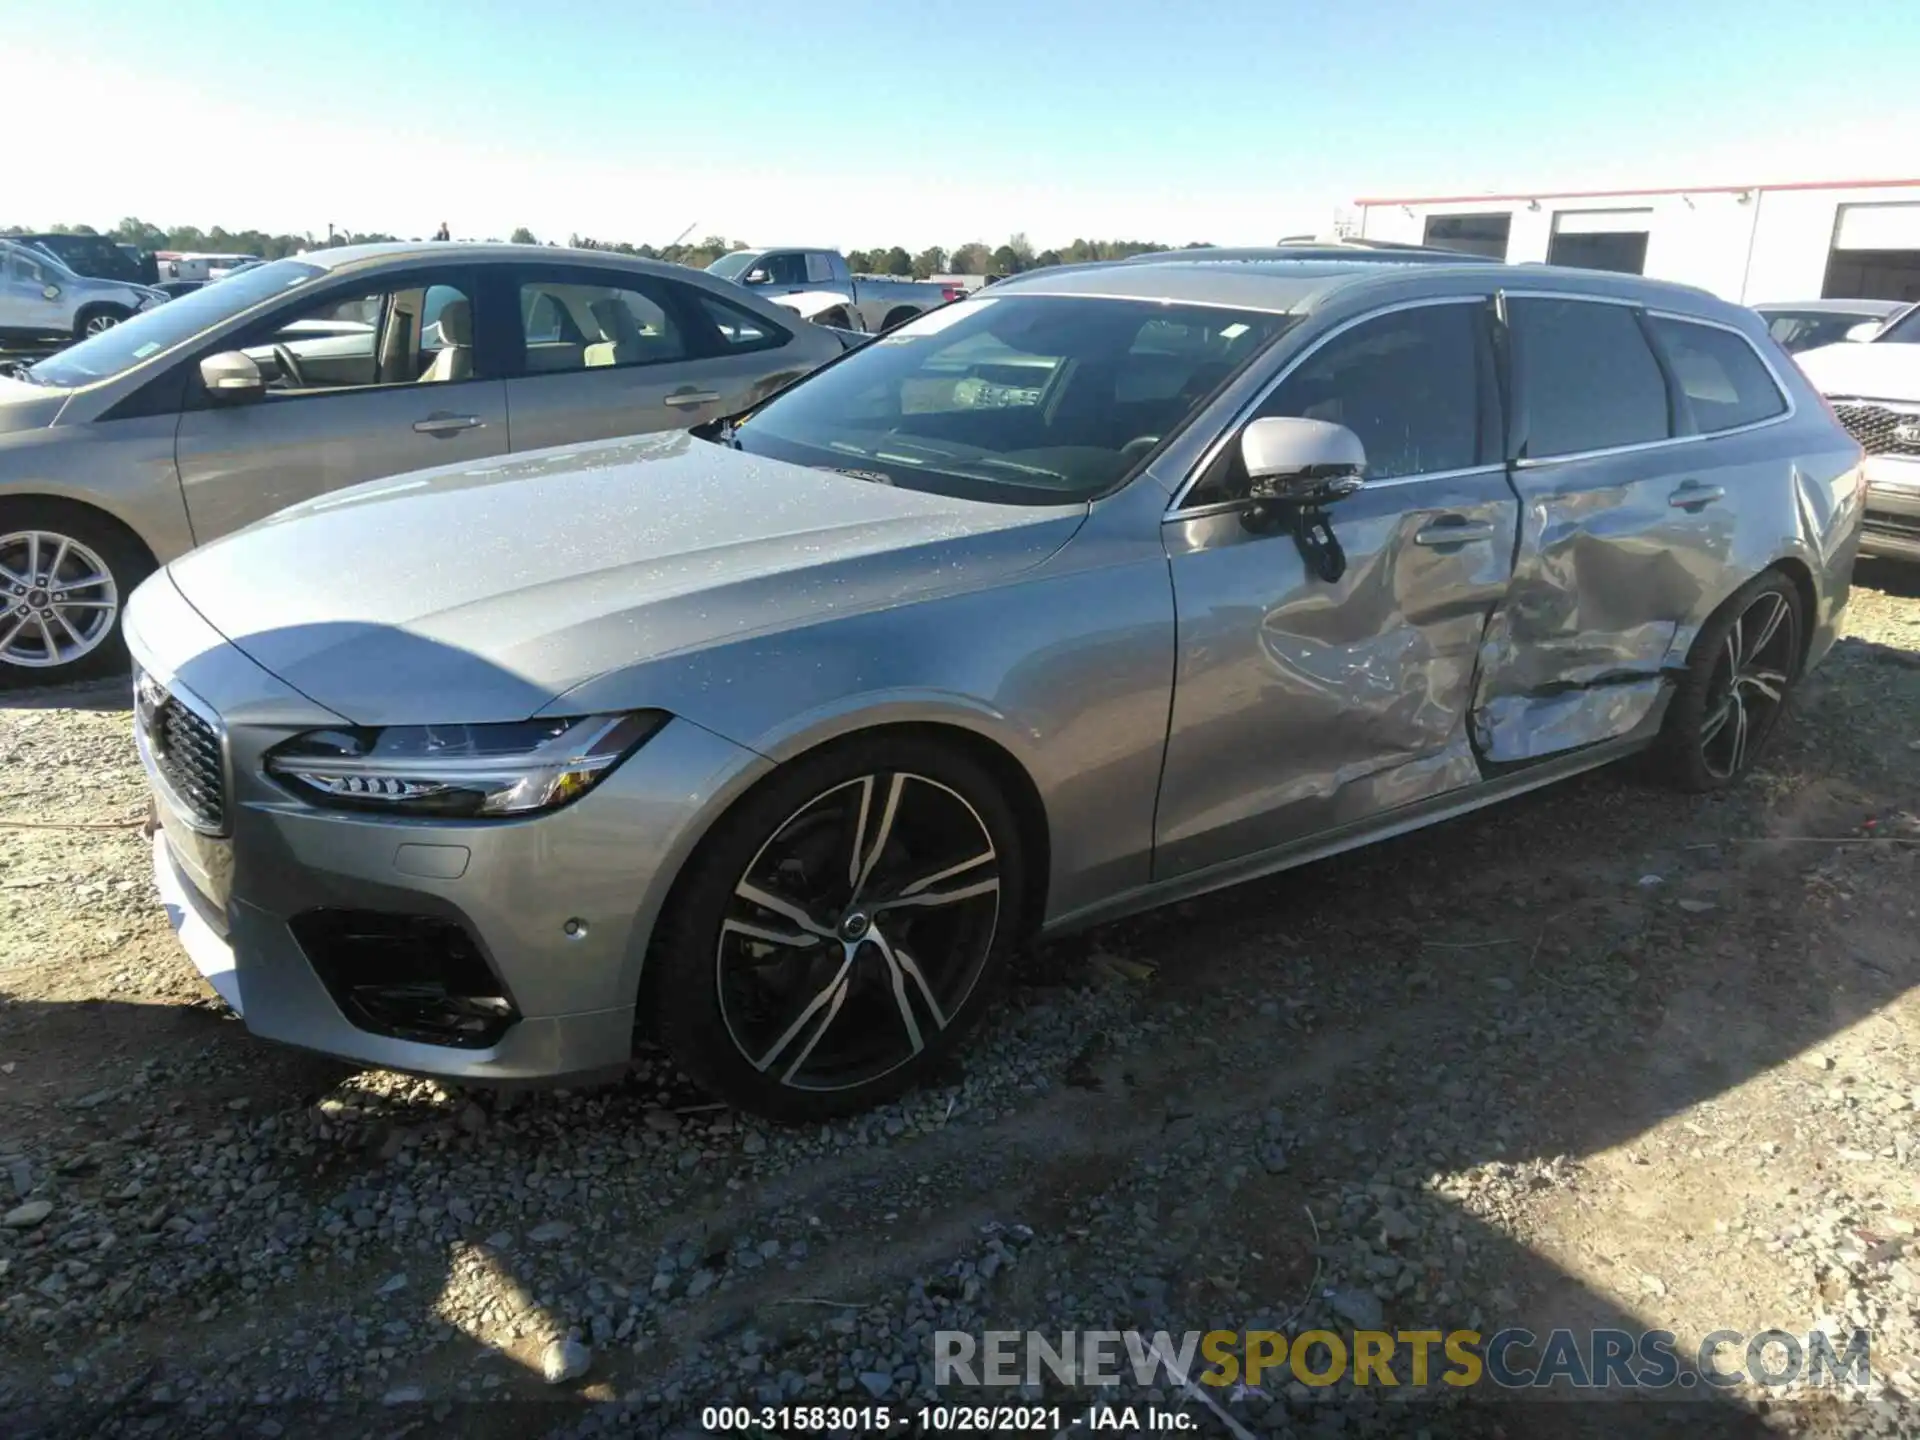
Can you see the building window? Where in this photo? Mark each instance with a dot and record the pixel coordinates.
(1474, 234)
(1601, 240)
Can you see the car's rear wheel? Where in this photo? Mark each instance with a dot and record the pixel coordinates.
(97, 320)
(65, 573)
(898, 317)
(841, 929)
(1743, 666)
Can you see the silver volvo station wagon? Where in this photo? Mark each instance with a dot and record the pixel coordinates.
(1101, 589)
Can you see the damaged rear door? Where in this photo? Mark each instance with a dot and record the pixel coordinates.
(1619, 546)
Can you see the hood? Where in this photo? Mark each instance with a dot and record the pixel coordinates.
(28, 407)
(1871, 371)
(480, 593)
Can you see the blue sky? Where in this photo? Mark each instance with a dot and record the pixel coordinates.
(856, 123)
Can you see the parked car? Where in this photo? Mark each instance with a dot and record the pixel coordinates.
(817, 286)
(1874, 387)
(42, 300)
(303, 376)
(96, 257)
(1808, 324)
(1101, 589)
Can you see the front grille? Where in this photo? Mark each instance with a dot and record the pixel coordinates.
(1906, 526)
(1881, 429)
(185, 752)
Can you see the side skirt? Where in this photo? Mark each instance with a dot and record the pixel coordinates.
(1515, 781)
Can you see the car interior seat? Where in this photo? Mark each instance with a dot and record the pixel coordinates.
(621, 340)
(455, 360)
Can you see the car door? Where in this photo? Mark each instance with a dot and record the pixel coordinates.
(608, 353)
(365, 380)
(1303, 703)
(31, 297)
(1624, 540)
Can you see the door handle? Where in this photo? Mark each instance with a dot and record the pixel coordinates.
(686, 399)
(443, 424)
(1458, 532)
(1693, 496)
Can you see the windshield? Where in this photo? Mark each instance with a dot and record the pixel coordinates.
(174, 323)
(1903, 329)
(1023, 399)
(730, 267)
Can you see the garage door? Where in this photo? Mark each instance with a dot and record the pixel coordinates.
(1876, 253)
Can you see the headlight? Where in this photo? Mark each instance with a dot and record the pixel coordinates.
(459, 771)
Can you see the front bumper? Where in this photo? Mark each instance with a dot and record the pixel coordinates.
(1892, 528)
(559, 908)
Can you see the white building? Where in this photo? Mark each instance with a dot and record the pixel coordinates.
(1847, 239)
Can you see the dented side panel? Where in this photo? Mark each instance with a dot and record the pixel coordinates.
(1300, 704)
(1616, 573)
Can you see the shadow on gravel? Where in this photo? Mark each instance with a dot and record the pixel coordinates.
(113, 693)
(1509, 996)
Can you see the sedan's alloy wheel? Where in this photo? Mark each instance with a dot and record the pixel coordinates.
(1749, 683)
(100, 324)
(58, 600)
(858, 931)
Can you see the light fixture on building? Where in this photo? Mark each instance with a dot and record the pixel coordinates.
(1533, 204)
(1745, 197)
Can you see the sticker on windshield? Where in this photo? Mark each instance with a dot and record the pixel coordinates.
(934, 321)
(1233, 331)
(147, 349)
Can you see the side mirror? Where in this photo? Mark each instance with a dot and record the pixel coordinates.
(1292, 459)
(232, 377)
(1863, 332)
(755, 277)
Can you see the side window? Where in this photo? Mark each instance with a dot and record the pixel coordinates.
(1725, 382)
(786, 267)
(1407, 383)
(1586, 377)
(592, 327)
(739, 330)
(819, 268)
(419, 335)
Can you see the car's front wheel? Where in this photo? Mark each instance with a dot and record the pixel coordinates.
(97, 320)
(840, 930)
(1735, 688)
(65, 573)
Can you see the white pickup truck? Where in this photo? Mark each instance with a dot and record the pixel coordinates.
(1875, 390)
(817, 286)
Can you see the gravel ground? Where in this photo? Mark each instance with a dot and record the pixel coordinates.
(1602, 1056)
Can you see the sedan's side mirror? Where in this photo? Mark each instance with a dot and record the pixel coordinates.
(1863, 332)
(231, 377)
(755, 277)
(1291, 459)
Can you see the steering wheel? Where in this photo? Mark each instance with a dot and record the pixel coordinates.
(1138, 446)
(290, 370)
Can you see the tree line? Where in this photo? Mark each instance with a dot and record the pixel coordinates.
(975, 257)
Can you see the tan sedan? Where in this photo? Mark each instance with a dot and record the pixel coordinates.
(305, 375)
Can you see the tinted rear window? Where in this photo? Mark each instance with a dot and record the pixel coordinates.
(1725, 382)
(1587, 378)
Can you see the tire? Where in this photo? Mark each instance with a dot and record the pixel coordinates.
(835, 318)
(812, 1006)
(899, 317)
(36, 533)
(95, 319)
(1743, 667)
